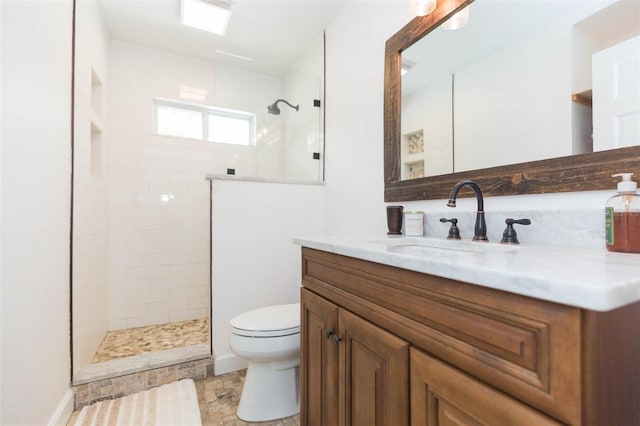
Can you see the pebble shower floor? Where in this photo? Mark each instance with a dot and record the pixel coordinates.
(141, 340)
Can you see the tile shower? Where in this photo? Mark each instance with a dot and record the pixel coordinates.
(141, 239)
(141, 204)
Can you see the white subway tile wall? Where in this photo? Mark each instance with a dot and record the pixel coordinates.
(158, 250)
(141, 206)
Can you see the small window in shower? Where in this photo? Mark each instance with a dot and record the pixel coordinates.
(213, 124)
(229, 127)
(180, 122)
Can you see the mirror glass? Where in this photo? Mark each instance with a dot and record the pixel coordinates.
(157, 107)
(522, 81)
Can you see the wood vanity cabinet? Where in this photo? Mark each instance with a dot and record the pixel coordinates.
(355, 372)
(386, 346)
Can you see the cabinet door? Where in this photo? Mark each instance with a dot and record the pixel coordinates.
(319, 361)
(374, 383)
(443, 395)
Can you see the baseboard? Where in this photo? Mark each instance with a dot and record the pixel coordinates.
(63, 413)
(227, 363)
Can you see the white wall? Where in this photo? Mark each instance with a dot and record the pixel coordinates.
(36, 170)
(354, 173)
(90, 202)
(354, 132)
(1, 198)
(255, 262)
(520, 90)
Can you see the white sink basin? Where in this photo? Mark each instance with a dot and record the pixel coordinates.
(417, 246)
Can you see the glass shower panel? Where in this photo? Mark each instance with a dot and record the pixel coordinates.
(289, 143)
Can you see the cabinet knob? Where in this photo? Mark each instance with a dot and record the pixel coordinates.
(330, 334)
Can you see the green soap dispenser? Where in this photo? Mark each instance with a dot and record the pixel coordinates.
(622, 217)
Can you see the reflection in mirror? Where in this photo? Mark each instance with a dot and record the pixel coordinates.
(153, 115)
(515, 100)
(499, 91)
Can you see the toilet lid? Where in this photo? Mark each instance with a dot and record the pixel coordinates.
(271, 321)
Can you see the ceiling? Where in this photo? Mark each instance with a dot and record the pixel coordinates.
(272, 33)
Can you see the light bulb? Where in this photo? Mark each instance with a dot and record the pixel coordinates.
(425, 7)
(458, 20)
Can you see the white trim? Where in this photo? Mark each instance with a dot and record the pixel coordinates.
(63, 413)
(227, 363)
(237, 178)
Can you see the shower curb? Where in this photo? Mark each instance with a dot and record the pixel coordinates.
(116, 387)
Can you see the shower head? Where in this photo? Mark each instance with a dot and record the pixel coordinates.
(273, 108)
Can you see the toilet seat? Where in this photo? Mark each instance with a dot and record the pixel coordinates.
(271, 321)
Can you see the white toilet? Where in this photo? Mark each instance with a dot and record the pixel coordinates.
(269, 339)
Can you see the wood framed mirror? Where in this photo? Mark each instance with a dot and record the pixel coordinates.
(569, 173)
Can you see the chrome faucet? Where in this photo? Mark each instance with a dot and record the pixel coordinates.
(480, 230)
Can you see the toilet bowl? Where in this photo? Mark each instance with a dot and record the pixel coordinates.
(269, 339)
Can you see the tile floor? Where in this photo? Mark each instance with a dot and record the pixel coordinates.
(218, 398)
(141, 340)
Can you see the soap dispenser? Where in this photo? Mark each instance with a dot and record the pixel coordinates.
(622, 217)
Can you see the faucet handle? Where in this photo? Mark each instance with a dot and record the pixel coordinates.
(454, 231)
(509, 236)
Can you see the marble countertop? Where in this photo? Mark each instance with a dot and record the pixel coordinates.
(590, 278)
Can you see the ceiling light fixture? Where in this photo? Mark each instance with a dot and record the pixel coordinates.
(458, 20)
(205, 15)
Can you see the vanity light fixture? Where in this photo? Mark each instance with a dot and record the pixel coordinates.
(425, 7)
(458, 20)
(205, 15)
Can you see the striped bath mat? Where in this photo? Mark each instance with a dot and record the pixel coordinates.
(174, 404)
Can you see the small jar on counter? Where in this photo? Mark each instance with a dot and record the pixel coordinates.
(414, 224)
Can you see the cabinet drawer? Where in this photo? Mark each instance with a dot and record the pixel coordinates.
(525, 347)
(442, 395)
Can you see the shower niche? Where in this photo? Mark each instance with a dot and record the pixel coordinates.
(141, 237)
